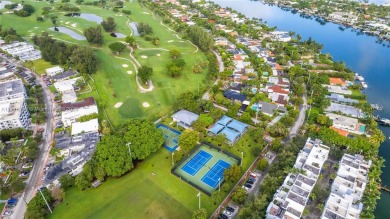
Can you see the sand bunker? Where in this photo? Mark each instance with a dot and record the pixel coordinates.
(144, 57)
(170, 41)
(117, 105)
(74, 25)
(67, 22)
(158, 54)
(129, 72)
(145, 104)
(145, 12)
(35, 27)
(125, 65)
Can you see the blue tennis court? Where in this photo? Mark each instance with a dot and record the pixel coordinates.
(215, 173)
(171, 137)
(196, 162)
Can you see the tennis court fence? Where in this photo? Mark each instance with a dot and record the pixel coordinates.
(185, 158)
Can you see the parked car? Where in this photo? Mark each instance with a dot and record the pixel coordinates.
(230, 209)
(251, 180)
(228, 213)
(24, 173)
(248, 185)
(223, 216)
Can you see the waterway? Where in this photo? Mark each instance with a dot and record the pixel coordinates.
(362, 53)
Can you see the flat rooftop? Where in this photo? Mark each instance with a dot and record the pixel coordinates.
(13, 87)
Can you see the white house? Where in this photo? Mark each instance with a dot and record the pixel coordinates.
(54, 70)
(85, 127)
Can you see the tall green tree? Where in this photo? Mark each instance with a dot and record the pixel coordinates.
(188, 140)
(109, 24)
(94, 35)
(36, 207)
(144, 73)
(117, 47)
(233, 173)
(112, 154)
(83, 60)
(199, 214)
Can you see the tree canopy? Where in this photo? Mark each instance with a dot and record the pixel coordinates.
(94, 35)
(36, 207)
(233, 173)
(144, 29)
(79, 58)
(200, 38)
(109, 24)
(112, 156)
(117, 47)
(144, 73)
(199, 214)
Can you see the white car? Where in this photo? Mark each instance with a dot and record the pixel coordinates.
(228, 213)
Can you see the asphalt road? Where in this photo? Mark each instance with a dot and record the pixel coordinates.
(35, 179)
(301, 118)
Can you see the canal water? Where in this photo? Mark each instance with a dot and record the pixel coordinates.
(362, 53)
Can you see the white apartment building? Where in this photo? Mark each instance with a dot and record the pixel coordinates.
(14, 114)
(12, 89)
(72, 111)
(348, 188)
(23, 50)
(290, 199)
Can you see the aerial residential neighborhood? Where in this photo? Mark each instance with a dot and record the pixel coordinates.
(192, 109)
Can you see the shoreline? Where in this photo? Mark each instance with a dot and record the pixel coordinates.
(326, 19)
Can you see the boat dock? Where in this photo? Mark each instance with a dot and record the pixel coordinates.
(382, 121)
(384, 188)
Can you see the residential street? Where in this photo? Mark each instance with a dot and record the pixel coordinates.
(301, 118)
(34, 181)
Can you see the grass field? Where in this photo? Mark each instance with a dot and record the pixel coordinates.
(112, 83)
(138, 194)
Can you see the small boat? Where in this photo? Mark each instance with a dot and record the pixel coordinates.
(359, 77)
(364, 85)
(377, 107)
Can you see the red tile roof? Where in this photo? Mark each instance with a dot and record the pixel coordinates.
(341, 132)
(278, 89)
(89, 101)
